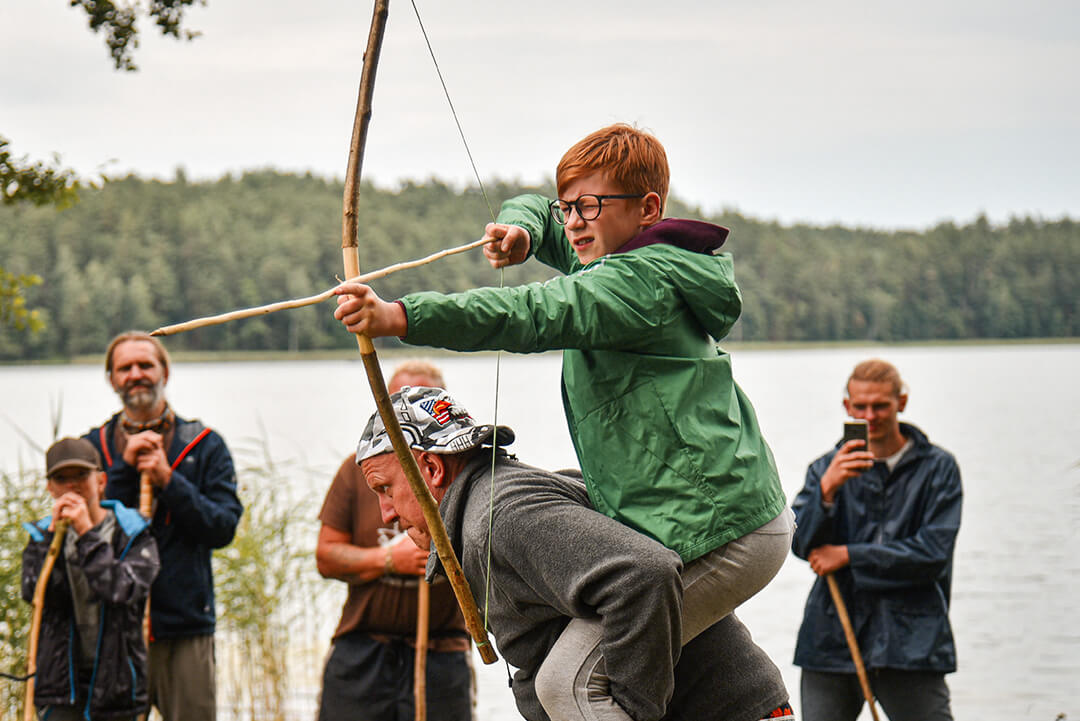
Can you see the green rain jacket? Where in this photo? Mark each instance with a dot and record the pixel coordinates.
(667, 441)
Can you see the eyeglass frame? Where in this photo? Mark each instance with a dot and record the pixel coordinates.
(555, 209)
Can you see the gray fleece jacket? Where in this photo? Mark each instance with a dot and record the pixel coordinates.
(554, 557)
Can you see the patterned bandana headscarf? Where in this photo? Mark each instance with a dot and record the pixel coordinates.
(431, 421)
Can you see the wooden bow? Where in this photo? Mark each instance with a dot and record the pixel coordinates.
(351, 258)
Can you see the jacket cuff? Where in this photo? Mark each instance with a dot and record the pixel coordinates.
(405, 310)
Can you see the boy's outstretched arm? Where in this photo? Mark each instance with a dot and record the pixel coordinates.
(362, 311)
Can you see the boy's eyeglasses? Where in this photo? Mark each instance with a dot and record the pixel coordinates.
(588, 206)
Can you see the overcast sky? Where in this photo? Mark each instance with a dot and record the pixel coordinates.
(882, 114)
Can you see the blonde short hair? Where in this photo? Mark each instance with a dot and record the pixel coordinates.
(417, 367)
(876, 370)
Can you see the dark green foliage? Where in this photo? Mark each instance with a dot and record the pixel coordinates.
(29, 183)
(949, 282)
(119, 24)
(37, 183)
(140, 254)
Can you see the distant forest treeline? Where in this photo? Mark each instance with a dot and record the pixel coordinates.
(141, 254)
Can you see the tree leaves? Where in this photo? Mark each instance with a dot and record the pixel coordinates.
(35, 183)
(118, 23)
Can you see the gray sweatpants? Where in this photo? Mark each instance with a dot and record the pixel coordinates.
(572, 683)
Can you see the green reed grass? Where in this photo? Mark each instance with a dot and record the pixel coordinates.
(265, 581)
(24, 499)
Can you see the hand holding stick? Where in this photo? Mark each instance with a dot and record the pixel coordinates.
(852, 642)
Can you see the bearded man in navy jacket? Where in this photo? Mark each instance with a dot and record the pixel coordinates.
(195, 510)
(884, 520)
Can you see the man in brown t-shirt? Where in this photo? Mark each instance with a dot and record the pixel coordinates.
(369, 673)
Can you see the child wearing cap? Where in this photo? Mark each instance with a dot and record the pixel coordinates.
(667, 441)
(91, 660)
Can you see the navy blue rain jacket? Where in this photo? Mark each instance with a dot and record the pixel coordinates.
(900, 529)
(197, 512)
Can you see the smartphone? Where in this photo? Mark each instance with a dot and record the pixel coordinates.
(857, 430)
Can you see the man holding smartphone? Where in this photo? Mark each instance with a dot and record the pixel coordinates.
(882, 516)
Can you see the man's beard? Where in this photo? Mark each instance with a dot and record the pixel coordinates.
(142, 396)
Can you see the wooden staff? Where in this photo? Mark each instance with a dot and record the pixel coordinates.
(146, 495)
(351, 259)
(423, 608)
(317, 298)
(39, 607)
(852, 642)
(146, 510)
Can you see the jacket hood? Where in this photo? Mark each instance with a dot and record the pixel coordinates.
(693, 235)
(715, 305)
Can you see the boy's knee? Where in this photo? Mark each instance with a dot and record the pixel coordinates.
(557, 681)
(553, 685)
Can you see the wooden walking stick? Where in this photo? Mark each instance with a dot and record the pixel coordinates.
(351, 258)
(146, 495)
(852, 642)
(39, 607)
(423, 614)
(146, 510)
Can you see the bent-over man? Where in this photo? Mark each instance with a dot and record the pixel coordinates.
(553, 558)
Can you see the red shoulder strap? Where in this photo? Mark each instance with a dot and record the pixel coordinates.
(189, 446)
(105, 446)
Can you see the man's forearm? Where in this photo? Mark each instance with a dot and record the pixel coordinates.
(351, 564)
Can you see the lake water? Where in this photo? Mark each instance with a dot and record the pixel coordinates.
(1008, 413)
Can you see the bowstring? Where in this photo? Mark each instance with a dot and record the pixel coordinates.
(498, 355)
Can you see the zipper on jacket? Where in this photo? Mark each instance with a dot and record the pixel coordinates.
(71, 661)
(97, 661)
